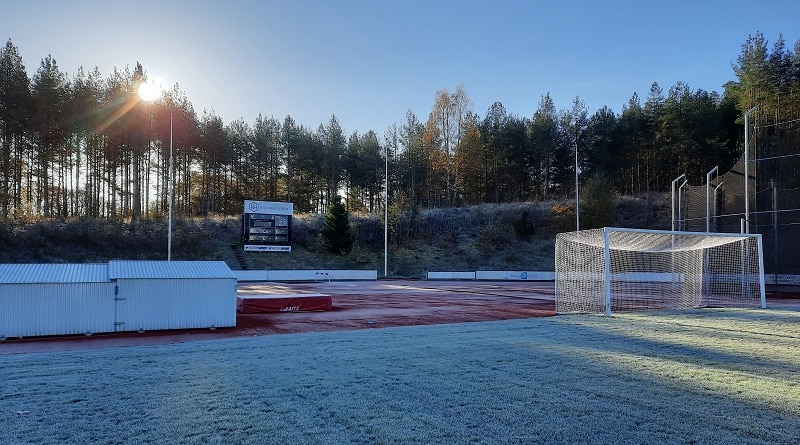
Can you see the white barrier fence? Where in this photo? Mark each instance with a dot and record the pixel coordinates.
(306, 275)
(509, 275)
(485, 275)
(500, 275)
(451, 275)
(493, 275)
(782, 280)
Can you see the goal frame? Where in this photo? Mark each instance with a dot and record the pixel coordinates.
(607, 271)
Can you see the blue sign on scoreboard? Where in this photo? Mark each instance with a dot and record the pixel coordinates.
(267, 226)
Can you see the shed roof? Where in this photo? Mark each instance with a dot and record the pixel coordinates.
(169, 269)
(53, 273)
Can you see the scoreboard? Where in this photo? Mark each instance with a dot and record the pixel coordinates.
(267, 226)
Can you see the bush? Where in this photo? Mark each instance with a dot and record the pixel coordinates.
(337, 234)
(494, 236)
(563, 218)
(306, 229)
(524, 226)
(597, 204)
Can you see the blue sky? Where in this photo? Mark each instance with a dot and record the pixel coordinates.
(369, 62)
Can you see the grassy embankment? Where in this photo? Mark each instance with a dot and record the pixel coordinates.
(515, 236)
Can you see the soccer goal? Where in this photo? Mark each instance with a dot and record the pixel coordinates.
(631, 269)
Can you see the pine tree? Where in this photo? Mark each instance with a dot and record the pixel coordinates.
(337, 233)
(15, 110)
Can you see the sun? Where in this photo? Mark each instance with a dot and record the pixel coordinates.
(150, 90)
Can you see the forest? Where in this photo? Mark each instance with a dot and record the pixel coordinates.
(86, 145)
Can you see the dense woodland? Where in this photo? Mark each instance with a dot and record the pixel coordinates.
(86, 145)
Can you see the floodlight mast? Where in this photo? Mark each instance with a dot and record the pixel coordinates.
(746, 224)
(386, 218)
(148, 91)
(708, 197)
(577, 201)
(674, 184)
(171, 192)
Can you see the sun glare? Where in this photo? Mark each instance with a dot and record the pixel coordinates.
(150, 90)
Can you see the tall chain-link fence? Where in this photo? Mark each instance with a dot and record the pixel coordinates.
(768, 203)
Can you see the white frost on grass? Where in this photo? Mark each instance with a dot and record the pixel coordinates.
(709, 376)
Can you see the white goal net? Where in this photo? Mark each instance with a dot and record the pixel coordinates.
(629, 269)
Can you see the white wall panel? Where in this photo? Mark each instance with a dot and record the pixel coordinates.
(40, 309)
(513, 275)
(305, 275)
(159, 304)
(451, 275)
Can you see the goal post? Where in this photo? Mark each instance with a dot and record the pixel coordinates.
(600, 270)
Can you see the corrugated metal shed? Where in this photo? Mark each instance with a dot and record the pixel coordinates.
(169, 269)
(53, 273)
(157, 295)
(64, 299)
(55, 299)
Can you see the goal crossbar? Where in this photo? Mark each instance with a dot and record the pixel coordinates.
(629, 269)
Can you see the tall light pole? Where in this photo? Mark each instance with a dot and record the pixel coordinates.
(386, 219)
(171, 191)
(747, 171)
(577, 203)
(674, 190)
(708, 197)
(149, 91)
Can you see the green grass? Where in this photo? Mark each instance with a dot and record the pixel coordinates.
(706, 376)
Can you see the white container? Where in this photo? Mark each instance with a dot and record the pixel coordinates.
(55, 299)
(159, 295)
(66, 299)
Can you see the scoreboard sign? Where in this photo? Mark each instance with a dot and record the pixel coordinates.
(267, 226)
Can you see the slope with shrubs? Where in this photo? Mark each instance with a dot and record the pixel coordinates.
(518, 236)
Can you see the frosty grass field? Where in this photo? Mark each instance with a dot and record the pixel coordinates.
(703, 376)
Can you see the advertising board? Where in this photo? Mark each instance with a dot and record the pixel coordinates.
(267, 226)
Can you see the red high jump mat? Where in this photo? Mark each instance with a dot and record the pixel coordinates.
(260, 304)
